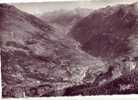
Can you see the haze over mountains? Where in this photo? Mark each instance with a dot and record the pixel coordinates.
(46, 55)
(63, 20)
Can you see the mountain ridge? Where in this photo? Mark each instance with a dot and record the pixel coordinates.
(117, 25)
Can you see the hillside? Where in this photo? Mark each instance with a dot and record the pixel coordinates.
(34, 60)
(38, 58)
(126, 84)
(105, 32)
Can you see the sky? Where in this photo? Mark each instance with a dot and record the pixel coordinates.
(43, 7)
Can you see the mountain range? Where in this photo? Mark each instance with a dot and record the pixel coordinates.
(60, 51)
(32, 56)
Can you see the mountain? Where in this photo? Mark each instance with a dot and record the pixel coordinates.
(34, 61)
(37, 62)
(106, 32)
(63, 20)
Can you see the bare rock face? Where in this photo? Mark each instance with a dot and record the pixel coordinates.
(105, 32)
(34, 61)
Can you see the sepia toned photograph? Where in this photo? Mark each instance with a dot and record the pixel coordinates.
(76, 48)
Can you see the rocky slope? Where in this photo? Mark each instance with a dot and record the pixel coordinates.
(126, 84)
(35, 61)
(106, 32)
